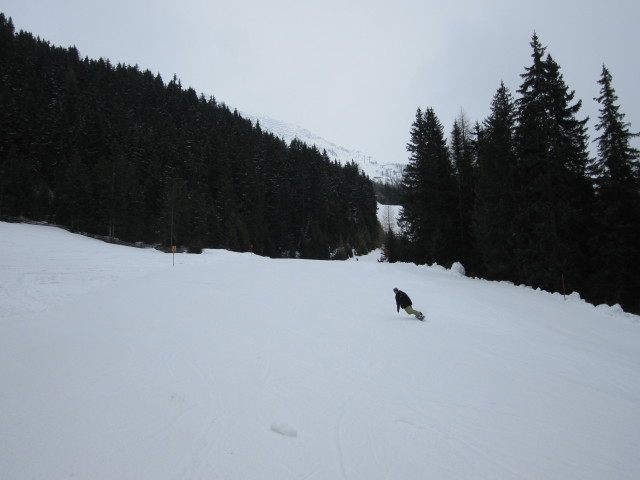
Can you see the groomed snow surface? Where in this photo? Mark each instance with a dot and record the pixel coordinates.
(115, 364)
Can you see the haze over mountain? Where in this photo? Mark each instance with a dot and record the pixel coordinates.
(375, 169)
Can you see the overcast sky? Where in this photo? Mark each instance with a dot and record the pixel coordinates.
(353, 71)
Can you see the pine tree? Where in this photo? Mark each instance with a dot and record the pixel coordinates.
(618, 160)
(494, 208)
(618, 204)
(430, 213)
(553, 190)
(411, 185)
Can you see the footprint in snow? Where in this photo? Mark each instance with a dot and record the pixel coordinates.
(284, 430)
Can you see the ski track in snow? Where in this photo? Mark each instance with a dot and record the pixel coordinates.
(114, 364)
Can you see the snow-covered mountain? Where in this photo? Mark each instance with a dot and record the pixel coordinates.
(386, 173)
(115, 364)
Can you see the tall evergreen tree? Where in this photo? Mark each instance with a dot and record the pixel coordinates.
(411, 185)
(617, 173)
(553, 190)
(430, 216)
(618, 160)
(494, 208)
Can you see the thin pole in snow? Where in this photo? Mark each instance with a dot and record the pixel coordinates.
(173, 247)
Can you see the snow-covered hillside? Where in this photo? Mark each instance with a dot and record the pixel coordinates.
(386, 173)
(388, 216)
(114, 364)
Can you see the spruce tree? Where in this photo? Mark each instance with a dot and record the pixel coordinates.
(553, 190)
(617, 245)
(430, 216)
(494, 208)
(618, 160)
(411, 185)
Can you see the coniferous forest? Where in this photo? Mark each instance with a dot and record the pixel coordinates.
(519, 198)
(114, 151)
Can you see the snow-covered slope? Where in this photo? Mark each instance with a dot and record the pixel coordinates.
(388, 216)
(386, 173)
(116, 364)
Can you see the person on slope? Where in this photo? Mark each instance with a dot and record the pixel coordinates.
(403, 301)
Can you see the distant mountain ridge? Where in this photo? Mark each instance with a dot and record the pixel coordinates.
(385, 173)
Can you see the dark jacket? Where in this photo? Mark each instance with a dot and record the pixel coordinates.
(402, 300)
